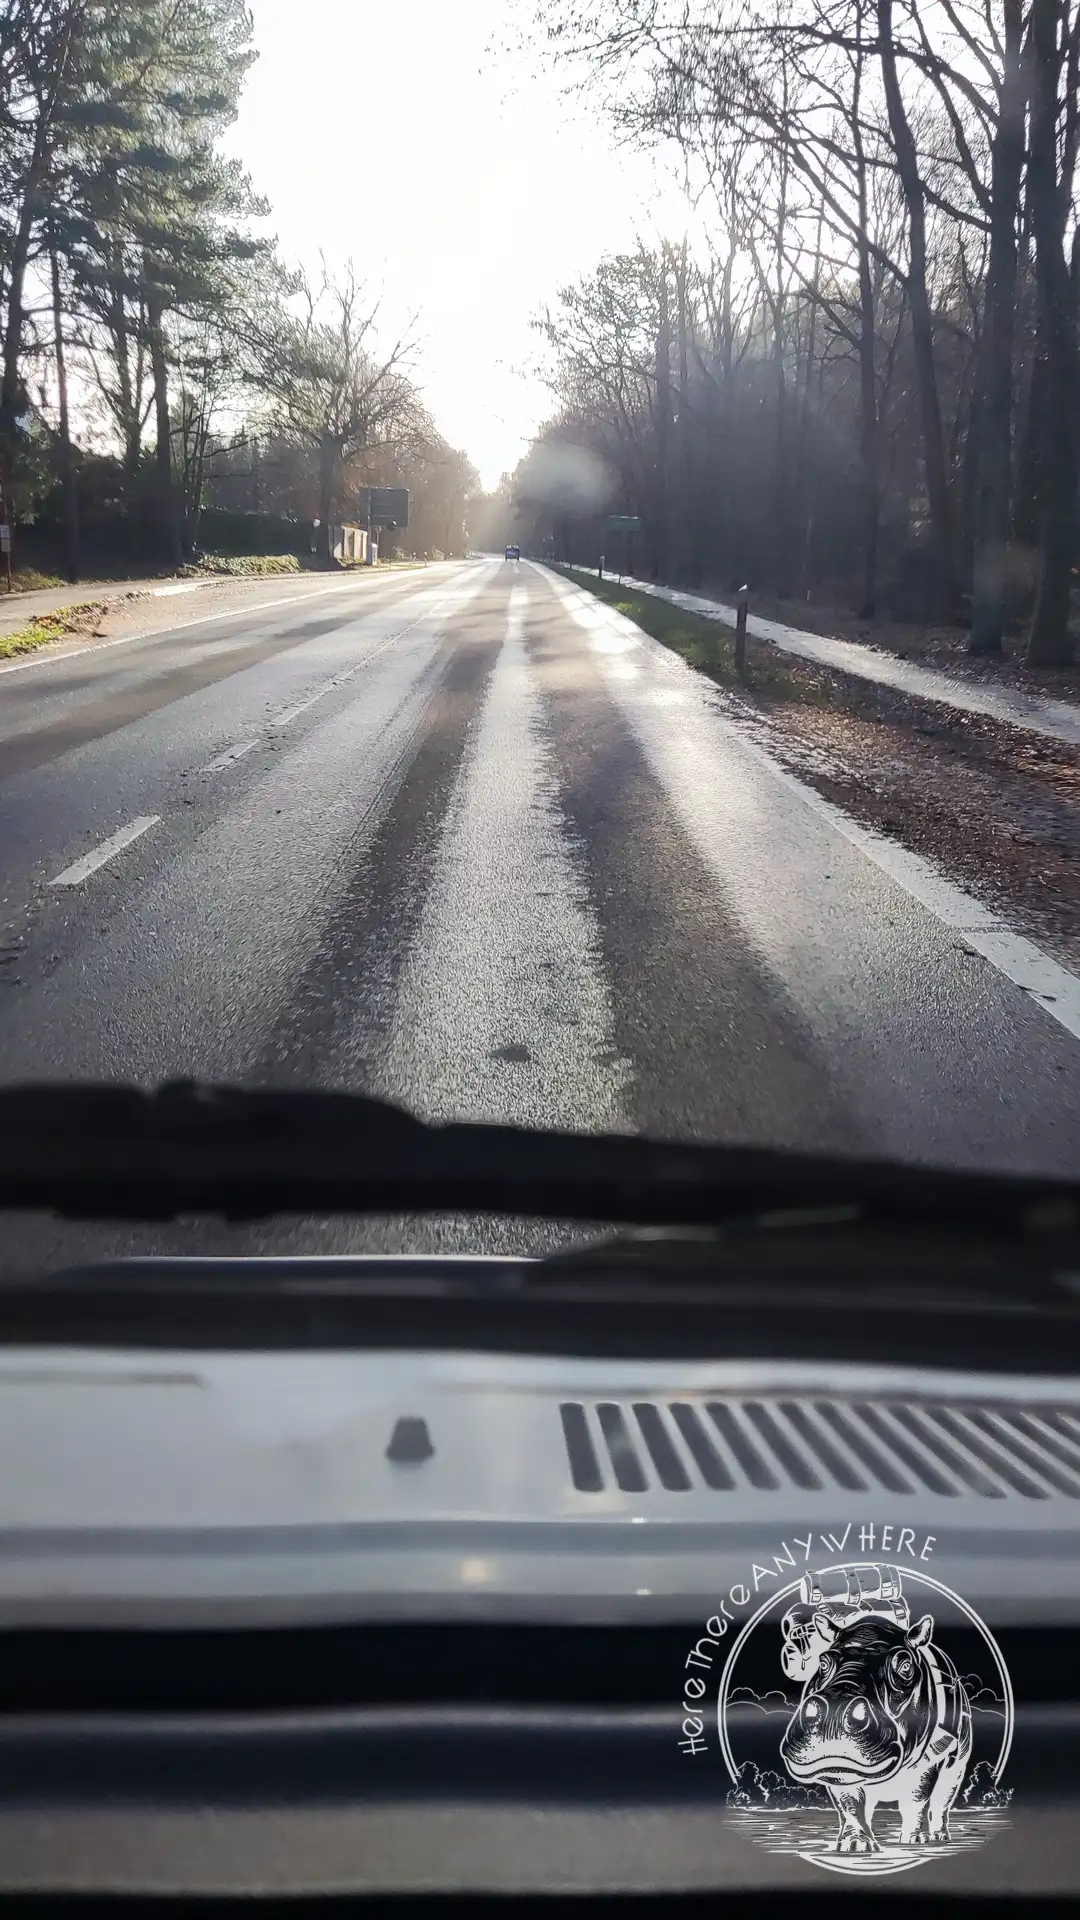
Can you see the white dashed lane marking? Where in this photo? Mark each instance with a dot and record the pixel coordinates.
(230, 754)
(331, 686)
(90, 862)
(73, 876)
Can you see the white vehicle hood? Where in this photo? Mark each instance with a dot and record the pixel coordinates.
(194, 1489)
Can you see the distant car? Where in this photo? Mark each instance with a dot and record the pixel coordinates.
(513, 553)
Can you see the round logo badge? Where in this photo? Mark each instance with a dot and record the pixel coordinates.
(853, 1736)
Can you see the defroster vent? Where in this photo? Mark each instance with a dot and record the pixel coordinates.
(772, 1444)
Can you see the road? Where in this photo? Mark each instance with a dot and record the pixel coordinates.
(451, 838)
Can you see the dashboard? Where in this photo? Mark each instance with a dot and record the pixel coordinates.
(388, 1622)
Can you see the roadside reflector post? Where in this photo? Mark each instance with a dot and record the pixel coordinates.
(740, 630)
(600, 568)
(627, 524)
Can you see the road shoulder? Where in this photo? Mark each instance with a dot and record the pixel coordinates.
(992, 807)
(1002, 690)
(143, 613)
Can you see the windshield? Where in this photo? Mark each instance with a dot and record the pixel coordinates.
(537, 565)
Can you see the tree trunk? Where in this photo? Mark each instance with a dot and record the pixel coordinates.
(782, 478)
(992, 420)
(18, 260)
(16, 280)
(130, 424)
(782, 474)
(966, 434)
(869, 458)
(164, 490)
(922, 328)
(13, 343)
(869, 464)
(689, 519)
(1050, 644)
(193, 489)
(805, 503)
(722, 411)
(1027, 485)
(661, 546)
(13, 330)
(68, 478)
(327, 459)
(168, 519)
(1030, 399)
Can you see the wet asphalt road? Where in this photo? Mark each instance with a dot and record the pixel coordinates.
(446, 838)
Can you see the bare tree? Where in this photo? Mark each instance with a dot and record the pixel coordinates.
(922, 323)
(964, 114)
(993, 424)
(1053, 52)
(327, 383)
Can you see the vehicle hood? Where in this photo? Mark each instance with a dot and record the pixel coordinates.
(193, 1489)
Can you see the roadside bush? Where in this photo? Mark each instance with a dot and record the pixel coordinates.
(245, 563)
(29, 580)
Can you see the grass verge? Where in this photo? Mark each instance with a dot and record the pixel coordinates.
(29, 580)
(43, 628)
(709, 645)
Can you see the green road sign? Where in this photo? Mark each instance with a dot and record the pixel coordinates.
(623, 523)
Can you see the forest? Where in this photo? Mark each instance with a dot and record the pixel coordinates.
(168, 381)
(863, 386)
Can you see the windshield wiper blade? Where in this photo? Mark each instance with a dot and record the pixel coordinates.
(126, 1153)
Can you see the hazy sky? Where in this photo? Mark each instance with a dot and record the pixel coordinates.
(422, 139)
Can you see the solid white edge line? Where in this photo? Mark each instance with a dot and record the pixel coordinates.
(44, 659)
(1043, 979)
(90, 862)
(230, 754)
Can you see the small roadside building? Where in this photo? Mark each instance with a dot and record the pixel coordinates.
(348, 545)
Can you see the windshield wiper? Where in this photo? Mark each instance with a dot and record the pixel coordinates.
(124, 1153)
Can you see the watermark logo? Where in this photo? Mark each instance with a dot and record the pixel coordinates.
(864, 1714)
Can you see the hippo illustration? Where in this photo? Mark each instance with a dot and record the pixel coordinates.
(884, 1718)
(857, 1592)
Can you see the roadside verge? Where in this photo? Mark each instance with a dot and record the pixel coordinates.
(39, 618)
(991, 805)
(1001, 690)
(146, 612)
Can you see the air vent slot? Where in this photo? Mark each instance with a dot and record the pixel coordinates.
(710, 1463)
(584, 1465)
(662, 1450)
(994, 1451)
(629, 1472)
